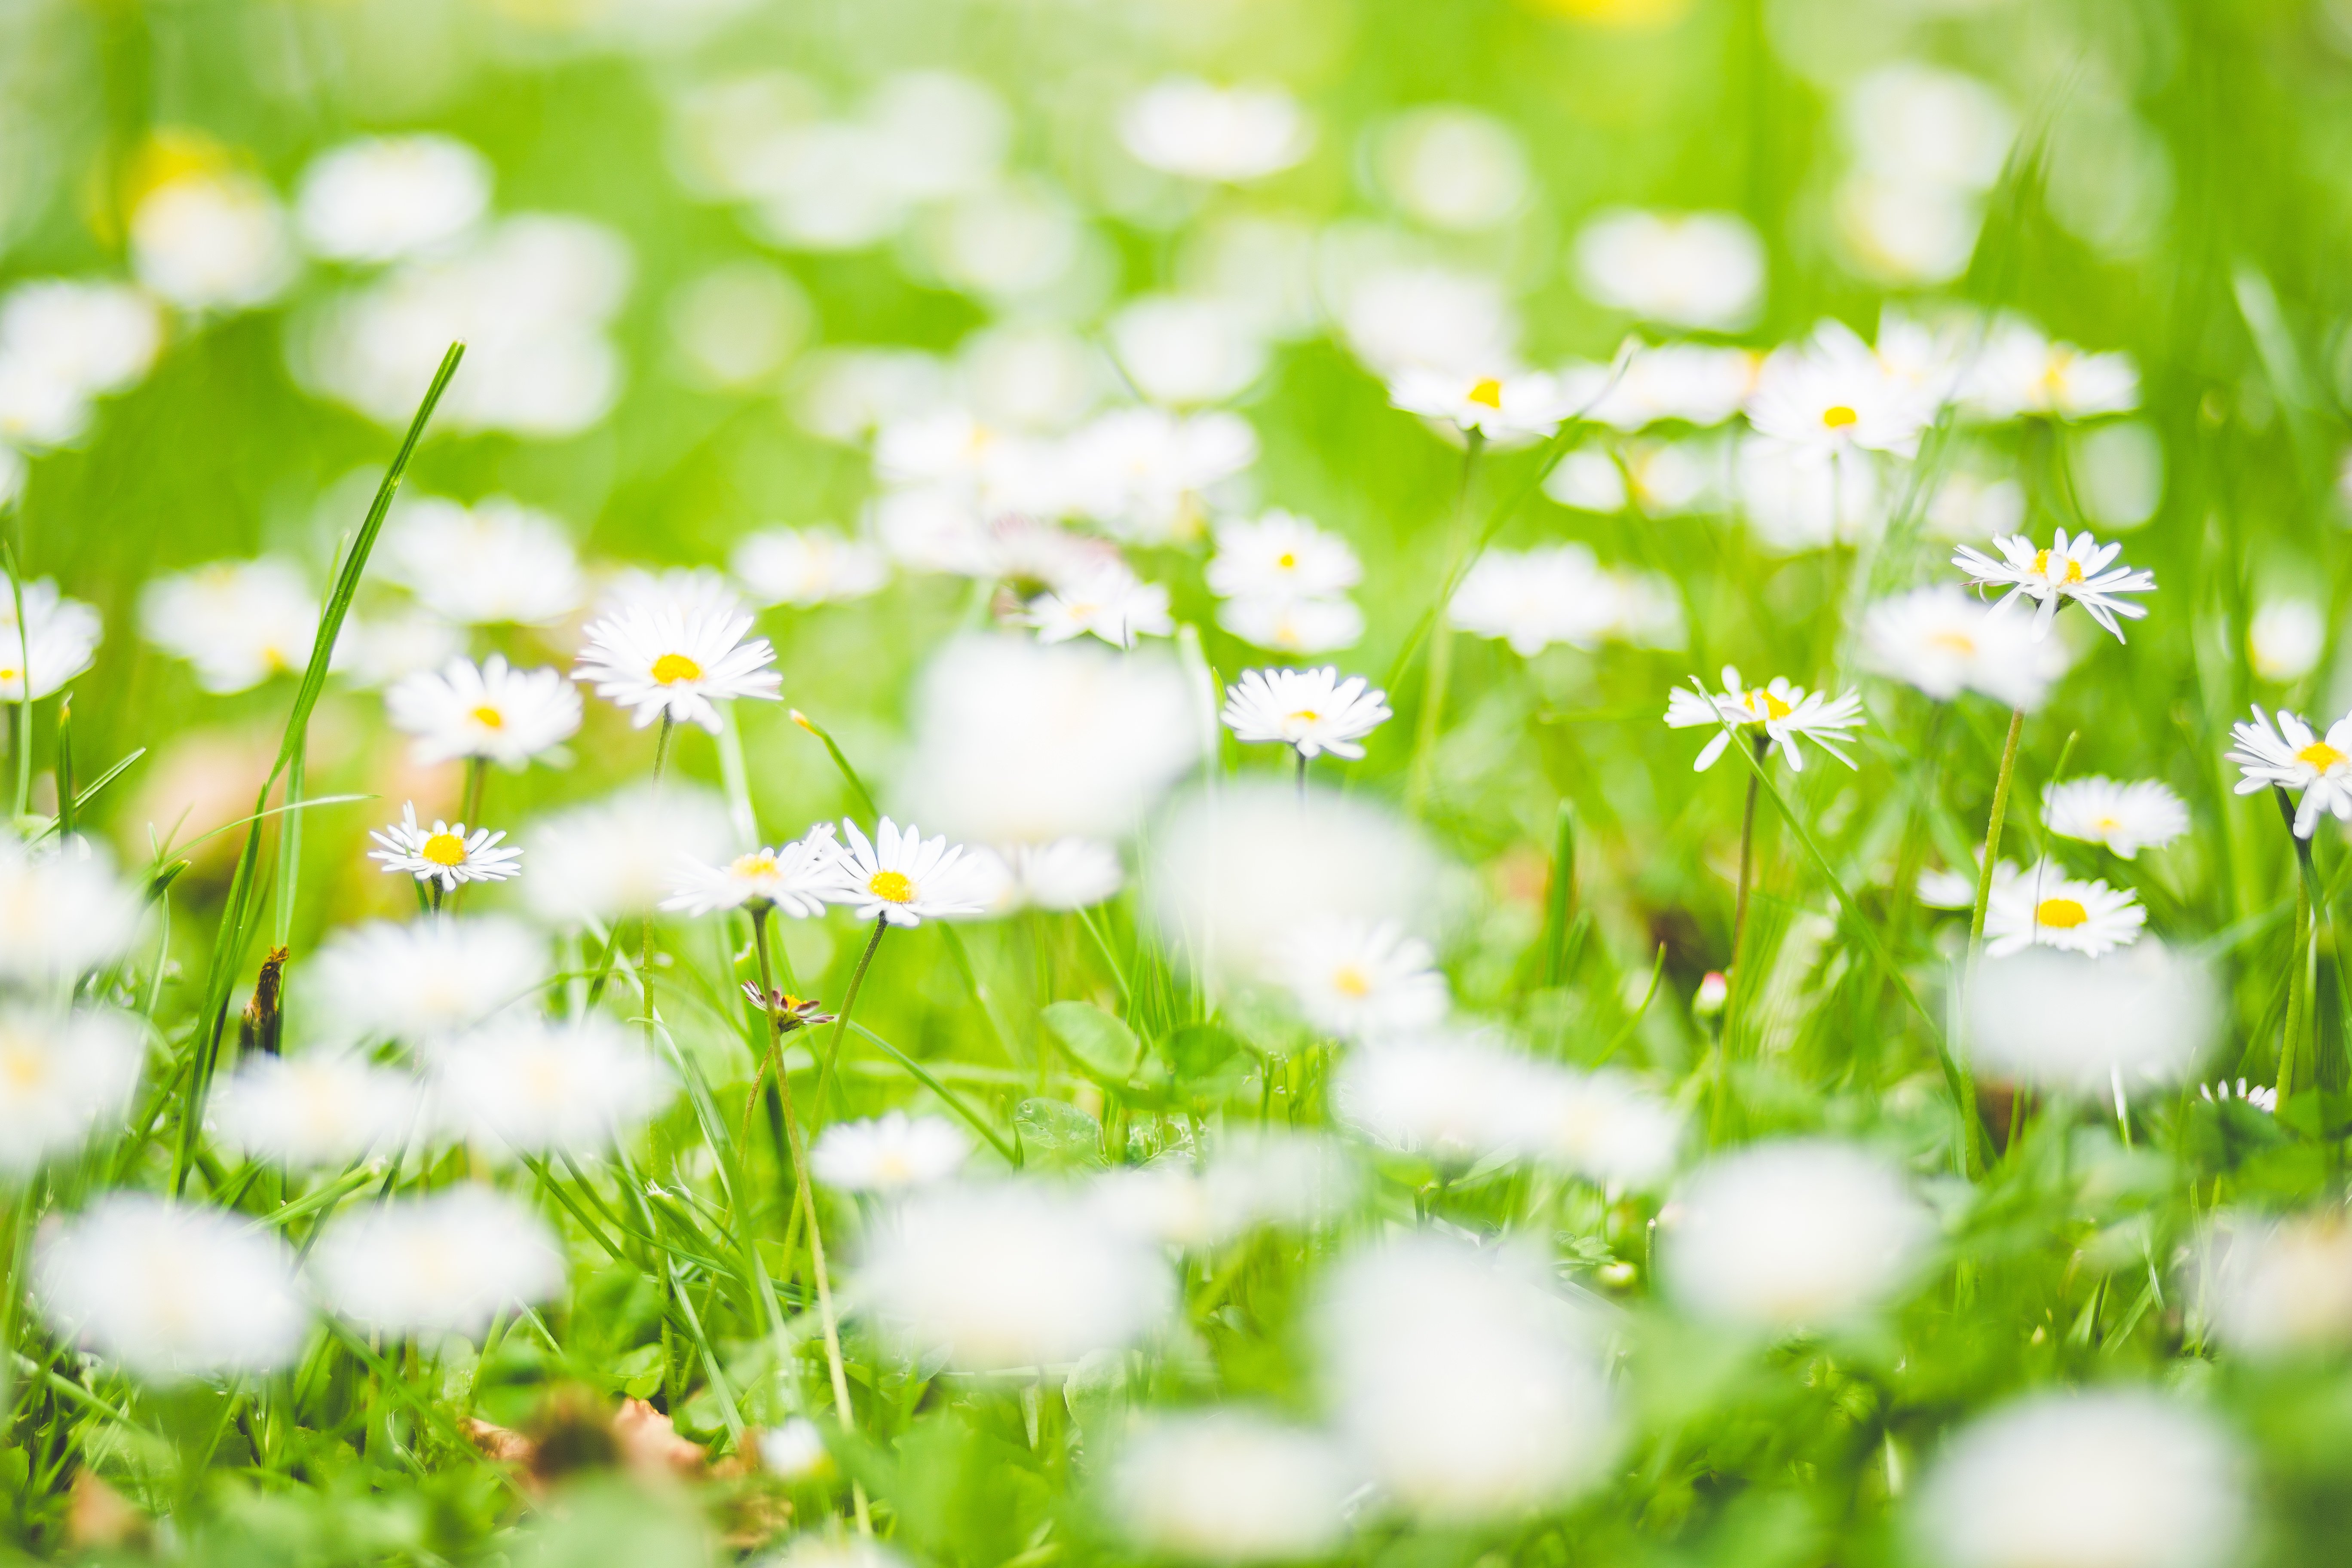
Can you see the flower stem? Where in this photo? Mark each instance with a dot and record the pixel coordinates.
(1746, 865)
(2301, 983)
(478, 778)
(1971, 1134)
(848, 1001)
(1441, 640)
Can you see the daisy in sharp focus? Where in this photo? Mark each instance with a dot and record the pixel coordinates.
(1112, 604)
(489, 710)
(2289, 756)
(2044, 909)
(658, 663)
(2078, 569)
(1310, 710)
(1788, 714)
(792, 878)
(441, 853)
(2125, 818)
(903, 878)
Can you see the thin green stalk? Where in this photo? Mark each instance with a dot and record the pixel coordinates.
(841, 1022)
(1746, 865)
(2303, 980)
(25, 685)
(1441, 642)
(1992, 835)
(477, 779)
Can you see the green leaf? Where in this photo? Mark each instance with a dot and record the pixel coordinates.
(1197, 1050)
(1103, 1048)
(1055, 1133)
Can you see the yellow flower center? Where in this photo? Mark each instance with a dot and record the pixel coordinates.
(1763, 702)
(1488, 392)
(1349, 981)
(2063, 913)
(672, 667)
(2320, 755)
(891, 885)
(759, 863)
(24, 1069)
(444, 849)
(891, 1166)
(2109, 824)
(1304, 716)
(2042, 566)
(488, 717)
(1286, 559)
(7, 674)
(1956, 642)
(1837, 417)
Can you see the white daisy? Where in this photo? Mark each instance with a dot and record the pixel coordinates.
(2261, 1097)
(2076, 569)
(465, 709)
(324, 1109)
(902, 878)
(1561, 595)
(1787, 712)
(888, 1154)
(422, 981)
(808, 566)
(382, 198)
(446, 1263)
(792, 878)
(540, 1086)
(2021, 372)
(169, 1290)
(1196, 130)
(449, 856)
(494, 563)
(2289, 756)
(1357, 978)
(2045, 908)
(1280, 554)
(1112, 604)
(1524, 403)
(56, 641)
(1063, 874)
(1831, 396)
(2125, 818)
(657, 664)
(1288, 624)
(1944, 642)
(59, 1079)
(1957, 890)
(1703, 269)
(1311, 711)
(238, 621)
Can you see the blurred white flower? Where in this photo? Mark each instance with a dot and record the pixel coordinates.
(91, 337)
(793, 1451)
(1788, 714)
(846, 182)
(63, 912)
(1556, 594)
(422, 981)
(1692, 384)
(323, 1109)
(2285, 640)
(813, 1550)
(56, 640)
(2125, 818)
(1428, 318)
(1186, 126)
(1034, 374)
(620, 855)
(903, 877)
(1969, 506)
(1009, 1274)
(844, 393)
(59, 1079)
(1957, 889)
(793, 878)
(1290, 624)
(1273, 1176)
(660, 664)
(2078, 569)
(1795, 1235)
(238, 621)
(889, 1154)
(1360, 980)
(685, 592)
(170, 1291)
(1695, 270)
(446, 1263)
(542, 1086)
(2019, 372)
(212, 240)
(1467, 1389)
(493, 563)
(2106, 1478)
(1018, 742)
(1146, 474)
(383, 197)
(2289, 756)
(1451, 167)
(385, 651)
(2082, 1026)
(1945, 642)
(1831, 395)
(1505, 408)
(464, 710)
(1905, 232)
(1453, 1098)
(1927, 144)
(1310, 710)
(1605, 1127)
(1280, 554)
(1230, 1486)
(1018, 244)
(1178, 350)
(450, 856)
(735, 326)
(1111, 603)
(1061, 874)
(808, 566)
(1162, 1202)
(2261, 1097)
(2045, 908)
(2277, 1287)
(1796, 501)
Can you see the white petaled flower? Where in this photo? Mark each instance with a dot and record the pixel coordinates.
(1230, 1486)
(325, 1109)
(56, 640)
(238, 621)
(1831, 396)
(903, 878)
(1279, 555)
(620, 855)
(494, 563)
(170, 1291)
(382, 650)
(1290, 624)
(1605, 1127)
(1310, 710)
(211, 239)
(422, 981)
(83, 336)
(1795, 499)
(443, 854)
(2289, 756)
(1186, 126)
(2285, 638)
(813, 1550)
(2278, 1286)
(1163, 1201)
(2261, 1097)
(656, 664)
(63, 912)
(793, 1451)
(1503, 407)
(1687, 269)
(808, 566)
(1945, 642)
(2045, 908)
(1563, 594)
(2091, 1028)
(446, 1263)
(1464, 1385)
(2104, 1478)
(1061, 874)
(1957, 889)
(59, 1079)
(1112, 604)
(384, 197)
(2079, 569)
(1362, 978)
(1010, 1275)
(1787, 712)
(464, 710)
(542, 1086)
(889, 1154)
(1148, 475)
(685, 592)
(2021, 372)
(2125, 818)
(1797, 1235)
(793, 878)
(1298, 1181)
(1453, 1098)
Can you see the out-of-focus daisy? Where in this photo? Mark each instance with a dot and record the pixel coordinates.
(793, 1451)
(685, 592)
(493, 563)
(1686, 270)
(382, 650)
(888, 1154)
(1226, 1486)
(2019, 372)
(656, 664)
(1957, 889)
(211, 238)
(2045, 908)
(1189, 126)
(808, 566)
(238, 621)
(903, 878)
(1448, 1096)
(2261, 1097)
(1606, 1127)
(1148, 474)
(2088, 1027)
(1288, 624)
(2077, 569)
(2284, 639)
(443, 854)
(1789, 713)
(59, 1077)
(1562, 594)
(2125, 818)
(1112, 604)
(540, 1087)
(620, 855)
(1523, 404)
(1357, 978)
(1830, 394)
(2290, 756)
(56, 640)
(489, 710)
(1310, 710)
(1061, 874)
(2277, 1287)
(792, 878)
(1944, 642)
(1279, 555)
(384, 197)
(446, 1263)
(325, 1109)
(422, 981)
(170, 1291)
(63, 911)
(1178, 350)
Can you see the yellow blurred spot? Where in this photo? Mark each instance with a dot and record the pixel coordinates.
(1630, 16)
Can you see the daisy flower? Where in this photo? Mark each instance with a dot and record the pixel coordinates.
(2076, 569)
(443, 1264)
(1357, 977)
(2290, 756)
(464, 710)
(1063, 874)
(888, 1154)
(1944, 642)
(902, 878)
(238, 621)
(1957, 889)
(1311, 711)
(1289, 625)
(2125, 818)
(541, 1086)
(57, 640)
(1787, 712)
(2044, 909)
(808, 566)
(443, 854)
(659, 663)
(2261, 1097)
(793, 878)
(1831, 396)
(1112, 604)
(1527, 403)
(494, 563)
(1280, 555)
